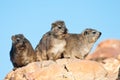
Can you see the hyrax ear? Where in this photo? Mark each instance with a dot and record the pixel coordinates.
(85, 32)
(53, 25)
(12, 38)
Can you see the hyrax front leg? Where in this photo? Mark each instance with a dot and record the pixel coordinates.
(53, 56)
(50, 56)
(58, 56)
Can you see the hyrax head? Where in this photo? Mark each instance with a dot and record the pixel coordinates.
(59, 28)
(18, 40)
(91, 35)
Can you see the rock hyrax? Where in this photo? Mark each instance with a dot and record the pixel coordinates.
(21, 52)
(79, 45)
(53, 43)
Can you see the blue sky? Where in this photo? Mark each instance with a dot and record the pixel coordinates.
(33, 18)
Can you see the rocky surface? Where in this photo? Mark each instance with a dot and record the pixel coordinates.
(64, 69)
(112, 66)
(106, 49)
(103, 64)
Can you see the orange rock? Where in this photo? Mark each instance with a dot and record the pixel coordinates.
(62, 69)
(103, 53)
(106, 49)
(110, 43)
(87, 70)
(112, 66)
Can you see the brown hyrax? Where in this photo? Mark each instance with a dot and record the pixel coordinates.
(21, 52)
(79, 45)
(53, 43)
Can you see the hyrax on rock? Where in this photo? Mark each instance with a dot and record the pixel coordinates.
(79, 45)
(53, 43)
(21, 52)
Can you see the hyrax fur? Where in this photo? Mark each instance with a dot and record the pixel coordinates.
(21, 52)
(53, 43)
(79, 45)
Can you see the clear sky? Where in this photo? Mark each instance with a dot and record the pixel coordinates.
(33, 18)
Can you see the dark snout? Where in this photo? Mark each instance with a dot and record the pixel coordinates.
(65, 31)
(100, 34)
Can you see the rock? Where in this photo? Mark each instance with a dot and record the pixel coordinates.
(106, 49)
(87, 70)
(110, 43)
(103, 53)
(112, 66)
(62, 69)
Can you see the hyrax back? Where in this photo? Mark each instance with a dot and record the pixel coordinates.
(79, 45)
(21, 52)
(53, 43)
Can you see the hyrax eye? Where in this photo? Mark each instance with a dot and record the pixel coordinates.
(85, 33)
(94, 32)
(60, 27)
(18, 39)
